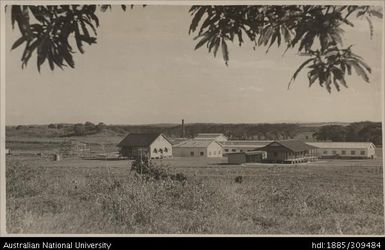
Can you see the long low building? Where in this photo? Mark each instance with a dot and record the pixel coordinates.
(198, 148)
(239, 146)
(354, 150)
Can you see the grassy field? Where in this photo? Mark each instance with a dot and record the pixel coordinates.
(86, 196)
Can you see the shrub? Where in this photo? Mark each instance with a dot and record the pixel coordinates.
(238, 179)
(52, 125)
(148, 170)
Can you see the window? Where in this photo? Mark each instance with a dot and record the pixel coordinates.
(343, 152)
(160, 150)
(275, 154)
(166, 150)
(155, 151)
(226, 150)
(202, 153)
(192, 153)
(362, 152)
(241, 150)
(334, 152)
(352, 152)
(233, 150)
(325, 152)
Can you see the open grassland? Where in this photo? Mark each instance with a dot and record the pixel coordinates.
(85, 196)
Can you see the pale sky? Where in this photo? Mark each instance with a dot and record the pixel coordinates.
(144, 69)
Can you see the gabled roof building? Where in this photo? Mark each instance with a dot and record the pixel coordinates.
(151, 146)
(289, 151)
(198, 148)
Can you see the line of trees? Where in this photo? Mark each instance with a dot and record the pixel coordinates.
(355, 132)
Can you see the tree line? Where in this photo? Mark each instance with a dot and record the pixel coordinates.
(355, 132)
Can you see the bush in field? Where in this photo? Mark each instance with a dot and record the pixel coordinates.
(52, 125)
(148, 170)
(238, 179)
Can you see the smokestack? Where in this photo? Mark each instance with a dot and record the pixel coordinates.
(182, 128)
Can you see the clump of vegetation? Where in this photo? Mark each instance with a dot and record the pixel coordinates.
(238, 179)
(148, 170)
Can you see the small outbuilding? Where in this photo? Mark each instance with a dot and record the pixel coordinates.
(306, 136)
(150, 146)
(246, 157)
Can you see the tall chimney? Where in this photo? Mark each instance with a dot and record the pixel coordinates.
(183, 128)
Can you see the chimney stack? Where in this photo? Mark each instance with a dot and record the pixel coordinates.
(183, 133)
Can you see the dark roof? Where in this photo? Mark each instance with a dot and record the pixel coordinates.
(138, 140)
(292, 145)
(246, 153)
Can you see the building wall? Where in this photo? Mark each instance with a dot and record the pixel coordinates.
(236, 158)
(160, 148)
(134, 152)
(190, 152)
(236, 149)
(214, 150)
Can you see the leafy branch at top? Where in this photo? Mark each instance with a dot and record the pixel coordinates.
(48, 29)
(315, 31)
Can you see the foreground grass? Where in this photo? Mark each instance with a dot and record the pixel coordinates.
(44, 198)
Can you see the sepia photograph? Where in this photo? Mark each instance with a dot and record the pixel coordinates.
(142, 118)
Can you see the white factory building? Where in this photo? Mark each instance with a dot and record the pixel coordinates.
(345, 149)
(197, 148)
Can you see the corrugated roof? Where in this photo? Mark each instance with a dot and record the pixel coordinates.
(138, 140)
(245, 143)
(208, 135)
(341, 144)
(175, 141)
(194, 143)
(247, 153)
(293, 145)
